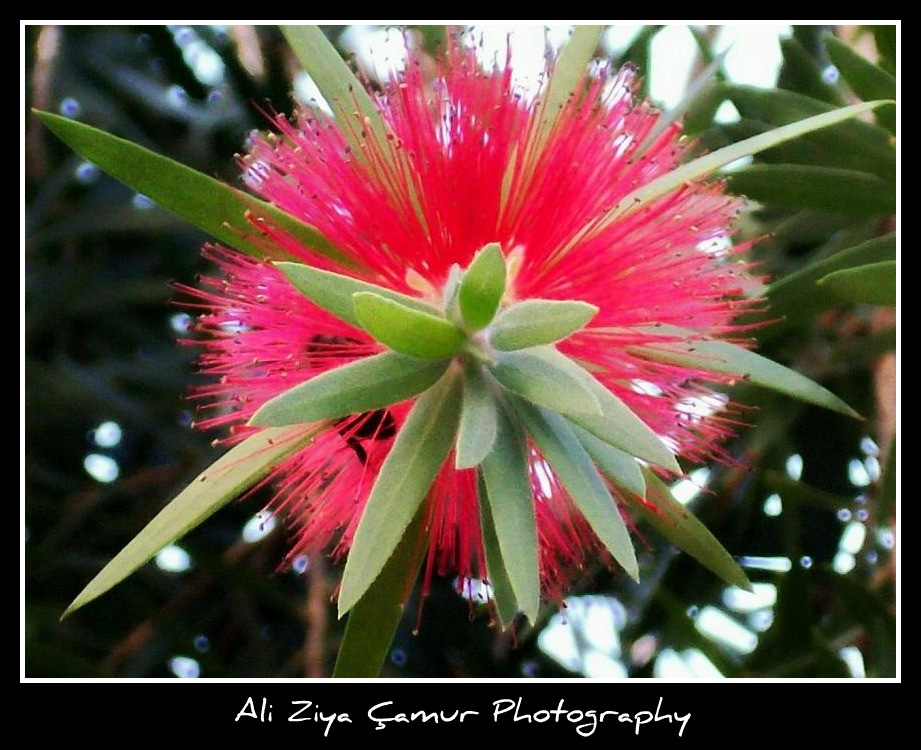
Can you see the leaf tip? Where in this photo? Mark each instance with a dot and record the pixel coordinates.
(79, 602)
(464, 461)
(342, 609)
(740, 580)
(72, 607)
(842, 407)
(633, 570)
(669, 462)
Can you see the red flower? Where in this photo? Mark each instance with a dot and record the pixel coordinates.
(465, 163)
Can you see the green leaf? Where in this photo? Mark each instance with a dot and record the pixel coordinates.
(508, 492)
(208, 204)
(721, 356)
(886, 39)
(360, 386)
(405, 330)
(239, 468)
(503, 594)
(867, 80)
(554, 382)
(569, 461)
(334, 292)
(808, 186)
(800, 492)
(796, 293)
(482, 287)
(569, 70)
(709, 163)
(677, 524)
(418, 454)
(849, 144)
(696, 91)
(620, 467)
(339, 86)
(800, 73)
(873, 284)
(639, 51)
(536, 322)
(372, 622)
(476, 433)
(616, 424)
(704, 43)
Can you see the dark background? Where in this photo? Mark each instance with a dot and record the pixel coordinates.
(100, 345)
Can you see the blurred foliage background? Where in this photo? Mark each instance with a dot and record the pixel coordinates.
(808, 506)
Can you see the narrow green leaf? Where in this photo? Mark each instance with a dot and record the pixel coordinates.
(373, 621)
(482, 287)
(536, 322)
(360, 386)
(639, 51)
(333, 292)
(569, 69)
(503, 594)
(620, 467)
(339, 86)
(553, 382)
(569, 461)
(873, 284)
(203, 201)
(704, 42)
(721, 356)
(849, 144)
(867, 80)
(693, 94)
(405, 330)
(800, 492)
(508, 492)
(709, 163)
(701, 114)
(886, 38)
(809, 186)
(796, 293)
(476, 433)
(801, 73)
(616, 424)
(242, 466)
(404, 480)
(677, 524)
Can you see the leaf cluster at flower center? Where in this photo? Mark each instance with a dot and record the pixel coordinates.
(489, 384)
(499, 349)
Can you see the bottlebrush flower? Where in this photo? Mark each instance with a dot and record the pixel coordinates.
(583, 375)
